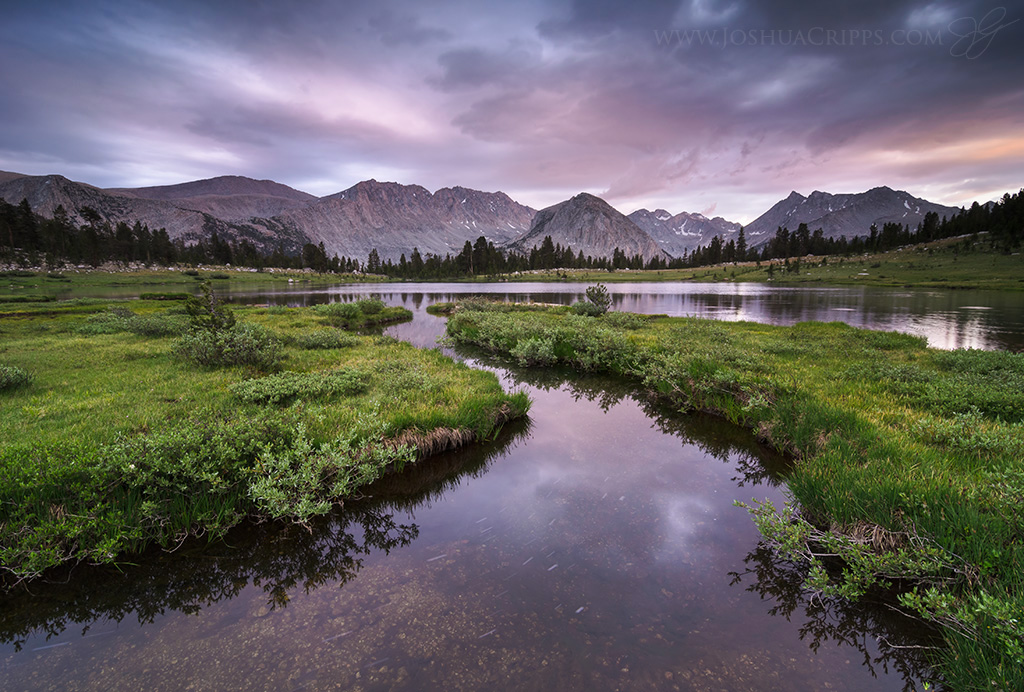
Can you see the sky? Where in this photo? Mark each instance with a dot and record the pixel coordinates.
(715, 106)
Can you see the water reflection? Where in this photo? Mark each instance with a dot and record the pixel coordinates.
(280, 559)
(904, 641)
(948, 319)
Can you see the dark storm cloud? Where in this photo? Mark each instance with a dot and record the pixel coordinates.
(540, 98)
(600, 17)
(473, 68)
(404, 29)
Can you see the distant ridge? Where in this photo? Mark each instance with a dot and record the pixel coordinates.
(47, 192)
(845, 214)
(682, 233)
(590, 225)
(227, 197)
(394, 218)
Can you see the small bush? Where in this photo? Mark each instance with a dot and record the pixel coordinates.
(208, 312)
(535, 351)
(626, 320)
(371, 306)
(106, 322)
(242, 344)
(191, 272)
(117, 319)
(598, 296)
(586, 309)
(323, 339)
(12, 377)
(286, 386)
(339, 311)
(157, 325)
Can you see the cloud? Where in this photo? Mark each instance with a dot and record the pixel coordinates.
(542, 98)
(395, 30)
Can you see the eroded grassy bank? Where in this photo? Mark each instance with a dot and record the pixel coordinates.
(910, 461)
(134, 423)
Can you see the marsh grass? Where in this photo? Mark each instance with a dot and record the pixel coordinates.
(361, 314)
(117, 443)
(888, 436)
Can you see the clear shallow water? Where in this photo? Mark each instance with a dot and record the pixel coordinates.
(595, 547)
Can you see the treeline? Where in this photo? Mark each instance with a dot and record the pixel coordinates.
(1003, 221)
(29, 239)
(482, 258)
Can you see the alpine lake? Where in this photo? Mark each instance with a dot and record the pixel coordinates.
(594, 546)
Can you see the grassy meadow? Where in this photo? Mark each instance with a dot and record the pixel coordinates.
(909, 469)
(132, 423)
(941, 264)
(34, 285)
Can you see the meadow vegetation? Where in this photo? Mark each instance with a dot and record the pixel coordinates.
(144, 422)
(964, 263)
(909, 470)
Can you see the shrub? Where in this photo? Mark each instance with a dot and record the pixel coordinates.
(208, 312)
(117, 319)
(286, 386)
(156, 325)
(304, 479)
(339, 311)
(242, 344)
(371, 306)
(322, 339)
(586, 308)
(598, 296)
(12, 377)
(535, 351)
(110, 321)
(626, 320)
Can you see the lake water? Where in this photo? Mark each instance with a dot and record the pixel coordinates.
(948, 319)
(593, 547)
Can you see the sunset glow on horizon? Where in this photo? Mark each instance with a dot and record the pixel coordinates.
(689, 105)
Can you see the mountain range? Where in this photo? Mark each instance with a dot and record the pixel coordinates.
(850, 214)
(683, 232)
(394, 218)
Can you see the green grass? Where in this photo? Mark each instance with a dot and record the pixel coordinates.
(110, 441)
(909, 460)
(21, 286)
